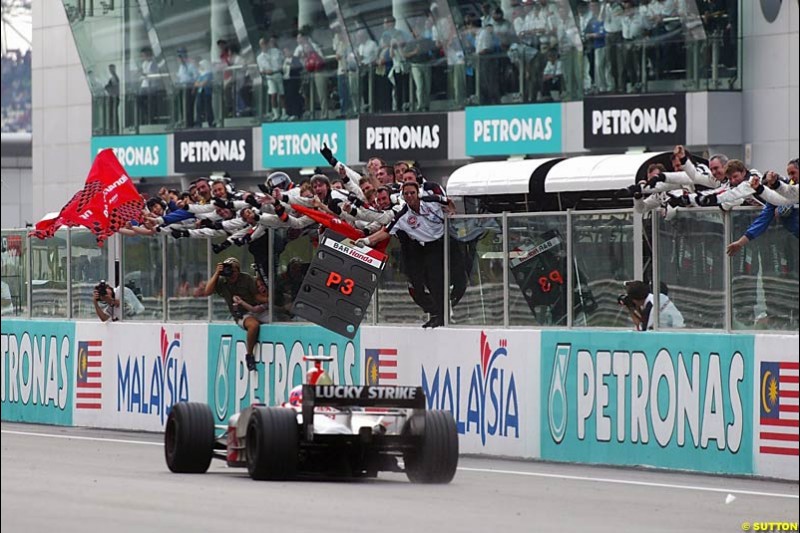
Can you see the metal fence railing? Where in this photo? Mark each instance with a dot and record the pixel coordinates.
(562, 269)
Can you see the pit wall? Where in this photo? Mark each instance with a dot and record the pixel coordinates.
(712, 403)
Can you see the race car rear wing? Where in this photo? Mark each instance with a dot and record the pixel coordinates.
(357, 396)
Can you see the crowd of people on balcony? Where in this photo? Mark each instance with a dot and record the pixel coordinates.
(445, 58)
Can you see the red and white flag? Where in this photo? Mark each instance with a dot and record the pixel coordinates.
(107, 202)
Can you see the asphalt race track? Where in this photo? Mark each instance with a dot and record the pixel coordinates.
(82, 480)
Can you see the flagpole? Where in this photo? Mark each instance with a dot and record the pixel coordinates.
(117, 255)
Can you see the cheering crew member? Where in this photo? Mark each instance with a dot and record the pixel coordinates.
(422, 222)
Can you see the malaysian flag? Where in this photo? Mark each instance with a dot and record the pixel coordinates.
(381, 366)
(89, 375)
(779, 427)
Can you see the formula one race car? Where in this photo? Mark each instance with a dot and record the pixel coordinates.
(324, 429)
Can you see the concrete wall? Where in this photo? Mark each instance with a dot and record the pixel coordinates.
(62, 113)
(770, 85)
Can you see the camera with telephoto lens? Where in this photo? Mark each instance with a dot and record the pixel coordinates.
(227, 270)
(102, 289)
(626, 300)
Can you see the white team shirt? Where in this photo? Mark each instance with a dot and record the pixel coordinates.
(425, 226)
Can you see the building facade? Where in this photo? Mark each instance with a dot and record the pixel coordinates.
(473, 94)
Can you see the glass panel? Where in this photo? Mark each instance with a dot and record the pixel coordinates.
(186, 279)
(49, 276)
(690, 266)
(142, 268)
(406, 55)
(89, 264)
(219, 309)
(292, 263)
(14, 273)
(537, 291)
(124, 64)
(764, 273)
(602, 247)
(476, 270)
(394, 301)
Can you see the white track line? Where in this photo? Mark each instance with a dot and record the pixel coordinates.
(631, 482)
(480, 470)
(76, 437)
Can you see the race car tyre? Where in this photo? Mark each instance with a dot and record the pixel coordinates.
(189, 438)
(272, 443)
(436, 458)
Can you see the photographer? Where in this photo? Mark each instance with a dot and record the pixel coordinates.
(247, 304)
(107, 306)
(638, 300)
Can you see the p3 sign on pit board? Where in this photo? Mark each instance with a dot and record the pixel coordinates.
(280, 350)
(142, 156)
(668, 400)
(297, 144)
(513, 129)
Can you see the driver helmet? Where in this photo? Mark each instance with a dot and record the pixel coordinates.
(296, 396)
(279, 179)
(318, 376)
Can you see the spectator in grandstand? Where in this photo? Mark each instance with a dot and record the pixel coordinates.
(368, 53)
(419, 53)
(632, 35)
(149, 86)
(270, 64)
(311, 55)
(399, 75)
(488, 47)
(638, 300)
(186, 78)
(246, 304)
(569, 51)
(551, 76)
(293, 69)
(612, 14)
(205, 93)
(112, 92)
(344, 60)
(595, 35)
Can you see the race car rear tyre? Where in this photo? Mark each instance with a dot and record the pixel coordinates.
(272, 443)
(436, 458)
(189, 438)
